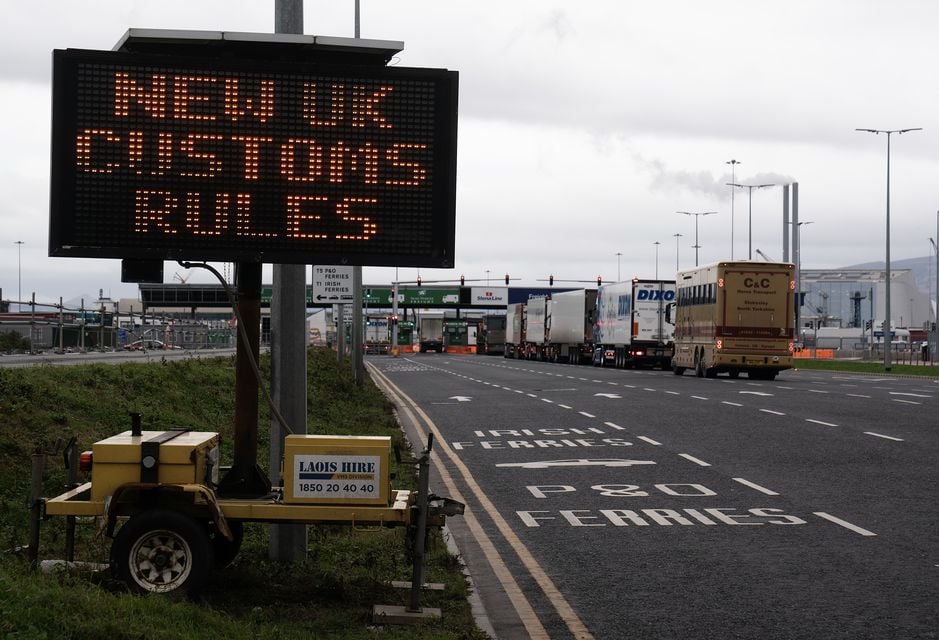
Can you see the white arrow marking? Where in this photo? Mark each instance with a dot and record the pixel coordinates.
(756, 393)
(460, 398)
(614, 396)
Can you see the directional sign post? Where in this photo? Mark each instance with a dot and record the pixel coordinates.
(332, 284)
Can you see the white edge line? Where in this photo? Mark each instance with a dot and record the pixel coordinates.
(846, 525)
(694, 460)
(753, 485)
(880, 435)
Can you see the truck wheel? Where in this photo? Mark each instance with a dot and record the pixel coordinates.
(162, 551)
(699, 367)
(677, 370)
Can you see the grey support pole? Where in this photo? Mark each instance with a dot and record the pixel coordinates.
(288, 349)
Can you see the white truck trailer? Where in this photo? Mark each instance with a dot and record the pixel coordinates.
(536, 314)
(569, 326)
(631, 329)
(514, 330)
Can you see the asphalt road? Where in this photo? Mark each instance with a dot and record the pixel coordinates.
(637, 504)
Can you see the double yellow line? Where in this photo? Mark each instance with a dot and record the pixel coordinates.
(520, 603)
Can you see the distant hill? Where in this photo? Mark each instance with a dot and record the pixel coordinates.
(924, 271)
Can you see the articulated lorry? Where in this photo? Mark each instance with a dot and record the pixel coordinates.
(569, 326)
(514, 330)
(431, 334)
(632, 329)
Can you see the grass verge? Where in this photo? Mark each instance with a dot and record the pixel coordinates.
(327, 595)
(876, 368)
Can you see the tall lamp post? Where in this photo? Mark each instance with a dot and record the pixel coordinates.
(656, 243)
(935, 247)
(733, 178)
(696, 214)
(797, 255)
(19, 274)
(888, 332)
(618, 254)
(750, 188)
(677, 236)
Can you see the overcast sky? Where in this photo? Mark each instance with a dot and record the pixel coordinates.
(584, 127)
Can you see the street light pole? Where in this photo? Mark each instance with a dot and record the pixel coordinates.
(750, 188)
(797, 259)
(696, 214)
(19, 274)
(677, 236)
(618, 254)
(733, 178)
(656, 243)
(888, 332)
(935, 246)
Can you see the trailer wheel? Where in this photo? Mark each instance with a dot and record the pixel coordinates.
(699, 366)
(162, 551)
(676, 369)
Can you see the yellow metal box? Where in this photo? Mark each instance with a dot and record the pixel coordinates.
(337, 470)
(183, 457)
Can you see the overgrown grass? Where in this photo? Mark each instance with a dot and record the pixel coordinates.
(857, 366)
(327, 595)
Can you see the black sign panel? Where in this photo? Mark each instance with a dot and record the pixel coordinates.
(221, 159)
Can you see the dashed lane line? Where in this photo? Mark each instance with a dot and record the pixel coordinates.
(649, 440)
(824, 424)
(845, 524)
(755, 486)
(880, 435)
(697, 461)
(775, 413)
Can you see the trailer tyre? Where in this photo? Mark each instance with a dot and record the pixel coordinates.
(162, 551)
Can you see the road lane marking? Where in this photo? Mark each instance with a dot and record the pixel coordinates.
(694, 460)
(775, 413)
(753, 485)
(564, 406)
(857, 395)
(824, 424)
(649, 440)
(905, 401)
(546, 400)
(516, 596)
(531, 395)
(880, 435)
(733, 404)
(673, 393)
(699, 397)
(614, 426)
(845, 524)
(586, 415)
(913, 395)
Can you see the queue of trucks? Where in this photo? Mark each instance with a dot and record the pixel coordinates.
(619, 324)
(727, 317)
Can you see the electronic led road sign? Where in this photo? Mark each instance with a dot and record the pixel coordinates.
(182, 157)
